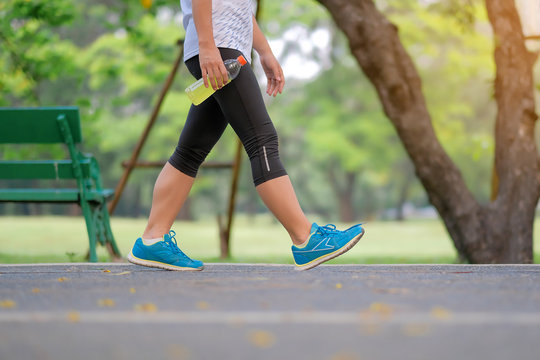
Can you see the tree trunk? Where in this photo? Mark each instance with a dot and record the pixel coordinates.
(404, 187)
(344, 191)
(516, 156)
(497, 233)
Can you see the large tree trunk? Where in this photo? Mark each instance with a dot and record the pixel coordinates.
(516, 157)
(502, 231)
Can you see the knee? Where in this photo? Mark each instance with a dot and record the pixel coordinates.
(187, 160)
(265, 161)
(266, 140)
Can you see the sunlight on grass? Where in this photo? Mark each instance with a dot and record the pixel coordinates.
(254, 239)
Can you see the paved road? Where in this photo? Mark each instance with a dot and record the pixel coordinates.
(121, 311)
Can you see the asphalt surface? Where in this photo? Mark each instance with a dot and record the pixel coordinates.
(241, 311)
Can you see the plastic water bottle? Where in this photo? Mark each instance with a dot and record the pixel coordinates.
(197, 92)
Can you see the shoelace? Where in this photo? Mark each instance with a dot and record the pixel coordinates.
(327, 229)
(170, 240)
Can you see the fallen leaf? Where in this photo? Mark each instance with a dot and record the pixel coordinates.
(176, 351)
(122, 273)
(203, 305)
(441, 313)
(261, 338)
(132, 290)
(106, 302)
(106, 271)
(339, 286)
(146, 307)
(7, 304)
(74, 316)
(344, 356)
(415, 330)
(36, 290)
(380, 308)
(62, 279)
(391, 291)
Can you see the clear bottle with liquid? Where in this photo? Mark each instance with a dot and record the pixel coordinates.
(197, 92)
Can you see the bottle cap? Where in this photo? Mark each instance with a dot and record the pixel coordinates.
(242, 60)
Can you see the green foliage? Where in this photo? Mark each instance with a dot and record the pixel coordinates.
(31, 51)
(451, 44)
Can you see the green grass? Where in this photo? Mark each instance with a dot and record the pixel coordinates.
(258, 240)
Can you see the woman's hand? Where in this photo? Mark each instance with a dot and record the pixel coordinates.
(212, 68)
(274, 74)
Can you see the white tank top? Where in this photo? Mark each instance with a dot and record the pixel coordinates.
(232, 22)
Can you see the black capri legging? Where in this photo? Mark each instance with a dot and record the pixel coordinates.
(240, 104)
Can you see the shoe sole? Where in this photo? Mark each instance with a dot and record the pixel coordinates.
(330, 256)
(156, 264)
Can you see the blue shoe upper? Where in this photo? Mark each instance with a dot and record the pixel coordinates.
(165, 251)
(324, 240)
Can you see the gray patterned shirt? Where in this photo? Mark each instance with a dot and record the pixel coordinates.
(232, 22)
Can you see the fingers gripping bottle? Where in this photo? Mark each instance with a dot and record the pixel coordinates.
(197, 92)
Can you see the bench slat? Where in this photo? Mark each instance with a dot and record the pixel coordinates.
(51, 195)
(37, 125)
(41, 169)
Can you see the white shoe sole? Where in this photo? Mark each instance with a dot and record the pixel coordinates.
(156, 264)
(330, 256)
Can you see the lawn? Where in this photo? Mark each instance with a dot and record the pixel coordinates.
(255, 239)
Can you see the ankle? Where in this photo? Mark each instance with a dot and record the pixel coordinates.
(153, 233)
(301, 238)
(151, 241)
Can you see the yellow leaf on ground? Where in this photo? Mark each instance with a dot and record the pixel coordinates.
(146, 307)
(36, 290)
(7, 304)
(345, 356)
(62, 279)
(415, 329)
(132, 290)
(339, 286)
(381, 308)
(391, 291)
(261, 338)
(203, 305)
(178, 352)
(106, 271)
(441, 313)
(122, 273)
(73, 316)
(106, 302)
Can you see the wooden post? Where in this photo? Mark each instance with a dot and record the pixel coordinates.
(136, 152)
(225, 233)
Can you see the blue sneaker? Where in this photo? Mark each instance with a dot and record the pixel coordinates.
(164, 254)
(325, 243)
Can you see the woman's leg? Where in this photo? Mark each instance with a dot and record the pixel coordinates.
(279, 196)
(158, 248)
(170, 193)
(242, 104)
(203, 128)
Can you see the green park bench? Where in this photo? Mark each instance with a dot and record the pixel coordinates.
(57, 125)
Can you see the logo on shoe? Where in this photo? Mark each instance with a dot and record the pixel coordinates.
(321, 246)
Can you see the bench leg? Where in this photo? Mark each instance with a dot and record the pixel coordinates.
(103, 224)
(91, 229)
